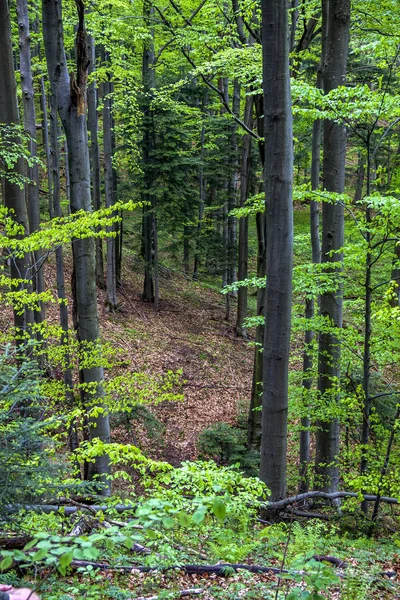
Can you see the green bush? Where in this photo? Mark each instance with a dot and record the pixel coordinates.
(29, 470)
(227, 445)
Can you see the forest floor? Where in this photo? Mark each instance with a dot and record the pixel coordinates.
(187, 333)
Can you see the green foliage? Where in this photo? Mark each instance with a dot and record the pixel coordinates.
(29, 468)
(227, 445)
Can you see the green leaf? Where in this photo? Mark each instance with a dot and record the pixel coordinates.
(128, 543)
(184, 519)
(66, 559)
(6, 563)
(219, 508)
(151, 534)
(40, 554)
(198, 516)
(168, 522)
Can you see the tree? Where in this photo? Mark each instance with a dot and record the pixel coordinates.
(13, 187)
(70, 91)
(32, 185)
(279, 211)
(337, 12)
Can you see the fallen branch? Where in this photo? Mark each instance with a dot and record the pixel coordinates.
(219, 569)
(325, 496)
(182, 593)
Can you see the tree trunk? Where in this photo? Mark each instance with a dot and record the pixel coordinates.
(231, 201)
(110, 190)
(69, 92)
(309, 308)
(202, 187)
(334, 73)
(32, 187)
(255, 415)
(14, 197)
(245, 171)
(360, 179)
(93, 126)
(57, 212)
(278, 189)
(149, 82)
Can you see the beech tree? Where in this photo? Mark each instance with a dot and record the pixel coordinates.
(337, 13)
(69, 90)
(279, 212)
(13, 183)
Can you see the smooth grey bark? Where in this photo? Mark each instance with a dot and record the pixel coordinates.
(243, 246)
(110, 179)
(46, 142)
(309, 303)
(360, 178)
(279, 210)
(395, 276)
(294, 14)
(149, 81)
(69, 94)
(14, 196)
(54, 169)
(255, 414)
(231, 187)
(334, 73)
(31, 187)
(254, 422)
(93, 125)
(365, 434)
(202, 188)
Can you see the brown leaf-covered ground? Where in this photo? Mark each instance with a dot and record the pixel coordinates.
(188, 332)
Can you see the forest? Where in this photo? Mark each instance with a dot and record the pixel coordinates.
(200, 299)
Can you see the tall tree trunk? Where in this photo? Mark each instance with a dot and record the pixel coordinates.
(245, 171)
(255, 415)
(46, 143)
(360, 179)
(110, 189)
(202, 187)
(32, 187)
(14, 197)
(69, 92)
(149, 82)
(278, 189)
(56, 211)
(367, 330)
(232, 198)
(334, 73)
(93, 125)
(309, 308)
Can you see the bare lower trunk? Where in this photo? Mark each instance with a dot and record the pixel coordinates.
(255, 415)
(69, 92)
(149, 82)
(57, 212)
(14, 197)
(327, 437)
(279, 209)
(255, 409)
(232, 199)
(95, 157)
(245, 171)
(202, 187)
(309, 308)
(32, 187)
(110, 191)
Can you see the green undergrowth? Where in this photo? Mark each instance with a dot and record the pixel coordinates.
(199, 513)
